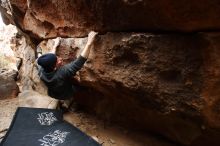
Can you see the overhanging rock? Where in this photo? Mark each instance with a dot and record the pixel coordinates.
(164, 83)
(68, 18)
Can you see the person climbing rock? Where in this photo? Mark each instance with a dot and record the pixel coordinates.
(57, 77)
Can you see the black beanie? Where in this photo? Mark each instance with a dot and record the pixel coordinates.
(47, 61)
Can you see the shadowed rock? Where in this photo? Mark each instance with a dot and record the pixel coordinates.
(68, 18)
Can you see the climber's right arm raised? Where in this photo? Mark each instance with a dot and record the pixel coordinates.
(71, 68)
(89, 44)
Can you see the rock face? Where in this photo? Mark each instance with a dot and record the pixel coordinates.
(67, 18)
(28, 78)
(33, 99)
(164, 83)
(8, 64)
(8, 86)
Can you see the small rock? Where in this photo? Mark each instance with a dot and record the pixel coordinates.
(112, 141)
(78, 124)
(95, 138)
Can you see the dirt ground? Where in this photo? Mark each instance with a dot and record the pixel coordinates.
(105, 134)
(7, 110)
(112, 135)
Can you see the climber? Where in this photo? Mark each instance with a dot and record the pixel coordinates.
(57, 77)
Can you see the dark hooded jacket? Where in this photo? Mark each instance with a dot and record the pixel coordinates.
(59, 82)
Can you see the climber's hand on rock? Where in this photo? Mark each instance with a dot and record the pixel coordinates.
(91, 37)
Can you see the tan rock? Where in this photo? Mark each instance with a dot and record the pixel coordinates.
(8, 86)
(34, 99)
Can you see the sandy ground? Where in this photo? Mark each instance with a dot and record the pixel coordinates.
(7, 110)
(105, 134)
(112, 135)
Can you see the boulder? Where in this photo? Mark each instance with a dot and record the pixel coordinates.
(30, 98)
(8, 86)
(165, 83)
(8, 64)
(66, 18)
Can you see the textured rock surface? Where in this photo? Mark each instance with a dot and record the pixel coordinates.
(29, 98)
(211, 80)
(28, 78)
(76, 17)
(164, 83)
(8, 86)
(8, 64)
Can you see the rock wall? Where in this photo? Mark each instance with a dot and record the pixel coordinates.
(28, 78)
(8, 64)
(68, 18)
(167, 83)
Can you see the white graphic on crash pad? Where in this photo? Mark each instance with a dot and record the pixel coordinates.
(46, 118)
(54, 138)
